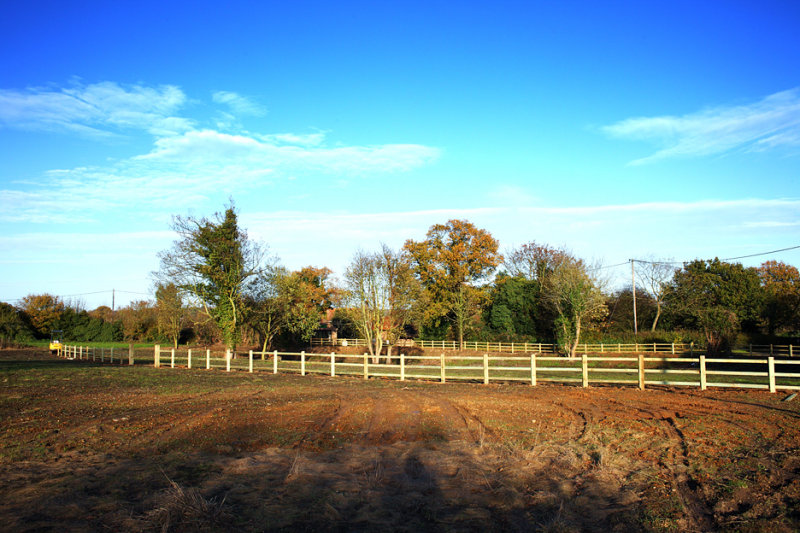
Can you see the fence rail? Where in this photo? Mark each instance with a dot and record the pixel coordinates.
(675, 348)
(769, 373)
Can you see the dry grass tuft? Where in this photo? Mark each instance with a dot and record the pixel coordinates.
(185, 509)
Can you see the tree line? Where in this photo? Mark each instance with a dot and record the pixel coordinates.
(216, 285)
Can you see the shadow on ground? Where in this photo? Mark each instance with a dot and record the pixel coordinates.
(400, 487)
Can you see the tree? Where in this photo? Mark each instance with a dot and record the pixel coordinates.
(513, 306)
(575, 296)
(211, 263)
(620, 310)
(781, 284)
(451, 263)
(534, 261)
(42, 311)
(13, 326)
(380, 291)
(138, 321)
(170, 311)
(656, 276)
(717, 297)
(268, 305)
(308, 295)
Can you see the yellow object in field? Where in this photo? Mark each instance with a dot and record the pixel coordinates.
(55, 341)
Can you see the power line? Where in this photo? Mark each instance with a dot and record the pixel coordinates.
(62, 296)
(608, 266)
(724, 259)
(762, 253)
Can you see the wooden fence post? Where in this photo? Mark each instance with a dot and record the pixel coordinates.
(250, 368)
(601, 348)
(641, 371)
(366, 366)
(130, 354)
(189, 357)
(585, 369)
(673, 348)
(102, 354)
(228, 360)
(790, 351)
(112, 354)
(402, 366)
(208, 359)
(771, 372)
(157, 356)
(703, 376)
(486, 369)
(275, 362)
(333, 364)
(533, 369)
(303, 363)
(441, 366)
(172, 358)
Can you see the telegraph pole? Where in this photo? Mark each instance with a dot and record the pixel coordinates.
(113, 294)
(633, 283)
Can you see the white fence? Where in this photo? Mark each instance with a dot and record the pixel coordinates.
(675, 348)
(767, 373)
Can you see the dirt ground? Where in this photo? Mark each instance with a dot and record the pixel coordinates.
(90, 447)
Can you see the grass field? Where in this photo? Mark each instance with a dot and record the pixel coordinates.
(95, 447)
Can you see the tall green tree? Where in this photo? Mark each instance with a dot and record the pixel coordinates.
(452, 264)
(716, 297)
(210, 263)
(13, 326)
(513, 307)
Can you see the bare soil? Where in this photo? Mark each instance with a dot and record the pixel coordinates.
(90, 447)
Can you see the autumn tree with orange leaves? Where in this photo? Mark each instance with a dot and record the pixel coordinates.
(781, 283)
(43, 311)
(452, 264)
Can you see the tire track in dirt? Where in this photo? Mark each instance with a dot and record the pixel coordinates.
(678, 453)
(397, 417)
(153, 437)
(589, 413)
(329, 422)
(458, 416)
(790, 412)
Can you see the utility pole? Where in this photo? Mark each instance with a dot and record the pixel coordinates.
(633, 283)
(113, 295)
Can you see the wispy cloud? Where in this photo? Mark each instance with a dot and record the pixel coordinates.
(185, 170)
(98, 110)
(238, 104)
(209, 148)
(767, 124)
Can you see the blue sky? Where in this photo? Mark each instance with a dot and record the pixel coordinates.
(615, 129)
